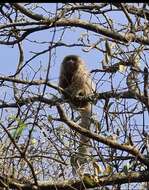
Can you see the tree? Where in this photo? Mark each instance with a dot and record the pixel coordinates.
(39, 129)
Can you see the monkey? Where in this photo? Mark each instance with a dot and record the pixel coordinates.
(75, 79)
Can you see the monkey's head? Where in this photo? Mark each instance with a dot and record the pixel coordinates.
(71, 63)
(69, 66)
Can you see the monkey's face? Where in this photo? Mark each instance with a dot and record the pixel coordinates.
(71, 63)
(70, 66)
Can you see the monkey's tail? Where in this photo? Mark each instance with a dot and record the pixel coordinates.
(83, 150)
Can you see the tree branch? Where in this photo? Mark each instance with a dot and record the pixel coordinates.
(63, 22)
(87, 181)
(28, 13)
(100, 138)
(144, 13)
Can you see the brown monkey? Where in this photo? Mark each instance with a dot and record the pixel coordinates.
(75, 79)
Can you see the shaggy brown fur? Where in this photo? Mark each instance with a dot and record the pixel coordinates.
(75, 79)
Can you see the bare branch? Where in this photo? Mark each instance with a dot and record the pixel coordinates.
(87, 181)
(131, 149)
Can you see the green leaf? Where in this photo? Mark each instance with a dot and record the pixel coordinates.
(21, 126)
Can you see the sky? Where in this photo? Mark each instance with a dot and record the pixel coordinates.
(93, 59)
(9, 58)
